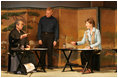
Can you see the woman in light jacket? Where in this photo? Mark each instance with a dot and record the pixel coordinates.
(92, 38)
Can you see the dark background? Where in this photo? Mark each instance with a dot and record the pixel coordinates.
(45, 4)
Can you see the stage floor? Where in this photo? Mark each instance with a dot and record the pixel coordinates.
(57, 72)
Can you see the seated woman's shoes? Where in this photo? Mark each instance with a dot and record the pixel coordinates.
(88, 71)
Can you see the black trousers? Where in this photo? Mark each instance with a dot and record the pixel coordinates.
(47, 39)
(93, 59)
(29, 57)
(87, 56)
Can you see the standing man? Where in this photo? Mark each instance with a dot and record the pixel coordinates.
(48, 34)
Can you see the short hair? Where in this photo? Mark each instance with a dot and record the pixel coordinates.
(91, 21)
(17, 21)
(49, 9)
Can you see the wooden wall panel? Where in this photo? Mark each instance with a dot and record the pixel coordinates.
(108, 58)
(115, 29)
(109, 37)
(33, 22)
(68, 27)
(108, 28)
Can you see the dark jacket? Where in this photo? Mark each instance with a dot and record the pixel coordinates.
(15, 41)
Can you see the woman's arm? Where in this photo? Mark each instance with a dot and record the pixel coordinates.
(82, 41)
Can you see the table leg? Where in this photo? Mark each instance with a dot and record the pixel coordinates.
(68, 60)
(39, 62)
(85, 68)
(67, 63)
(22, 66)
(116, 52)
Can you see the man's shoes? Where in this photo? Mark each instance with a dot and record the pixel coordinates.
(51, 68)
(20, 72)
(17, 72)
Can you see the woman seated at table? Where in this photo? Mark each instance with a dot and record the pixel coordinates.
(92, 38)
(17, 39)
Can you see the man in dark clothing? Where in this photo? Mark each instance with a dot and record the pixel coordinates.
(18, 38)
(48, 34)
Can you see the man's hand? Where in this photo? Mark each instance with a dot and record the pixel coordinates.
(40, 42)
(28, 46)
(73, 43)
(23, 36)
(54, 43)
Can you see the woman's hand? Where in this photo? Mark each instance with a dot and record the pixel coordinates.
(87, 47)
(73, 43)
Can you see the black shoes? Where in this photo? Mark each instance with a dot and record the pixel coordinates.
(51, 68)
(20, 72)
(17, 72)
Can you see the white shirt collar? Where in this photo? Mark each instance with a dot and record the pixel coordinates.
(92, 30)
